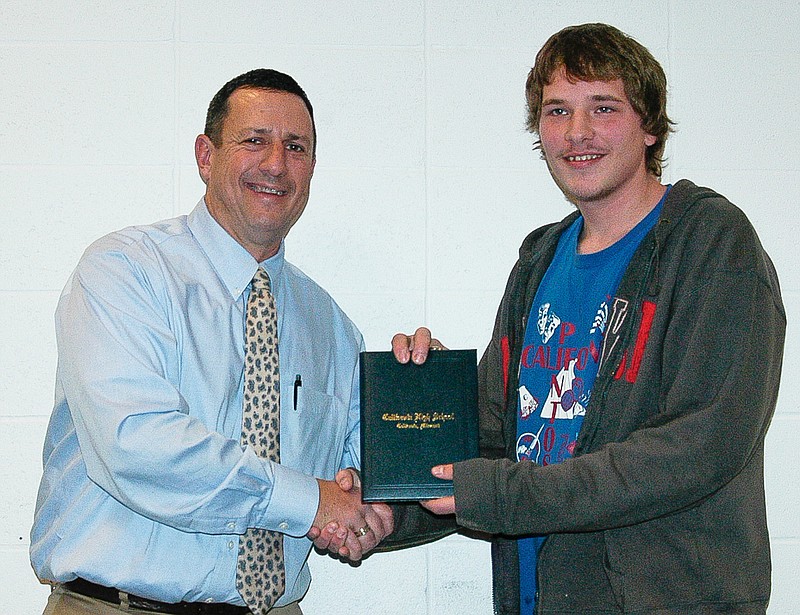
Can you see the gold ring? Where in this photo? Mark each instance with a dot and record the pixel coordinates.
(436, 347)
(363, 531)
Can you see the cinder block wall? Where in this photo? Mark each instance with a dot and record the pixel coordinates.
(426, 182)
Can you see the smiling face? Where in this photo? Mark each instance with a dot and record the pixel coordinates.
(258, 177)
(593, 142)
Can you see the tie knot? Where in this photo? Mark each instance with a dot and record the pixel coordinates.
(261, 281)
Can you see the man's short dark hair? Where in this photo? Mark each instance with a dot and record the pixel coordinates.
(259, 79)
(599, 52)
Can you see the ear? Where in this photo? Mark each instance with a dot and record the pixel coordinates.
(650, 140)
(203, 154)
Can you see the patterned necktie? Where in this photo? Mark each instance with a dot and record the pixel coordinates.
(260, 576)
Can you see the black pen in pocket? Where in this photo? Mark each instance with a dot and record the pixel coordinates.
(298, 382)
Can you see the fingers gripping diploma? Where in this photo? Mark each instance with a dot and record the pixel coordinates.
(446, 505)
(415, 347)
(353, 529)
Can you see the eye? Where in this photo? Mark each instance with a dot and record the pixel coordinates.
(557, 111)
(295, 147)
(605, 109)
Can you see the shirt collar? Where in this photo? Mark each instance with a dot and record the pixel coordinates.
(234, 265)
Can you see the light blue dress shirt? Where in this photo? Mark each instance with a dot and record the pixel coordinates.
(145, 485)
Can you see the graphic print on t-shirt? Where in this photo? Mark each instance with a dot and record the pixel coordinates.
(547, 323)
(563, 400)
(554, 367)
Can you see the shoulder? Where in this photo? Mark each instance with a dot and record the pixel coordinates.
(130, 258)
(137, 242)
(692, 206)
(702, 221)
(702, 228)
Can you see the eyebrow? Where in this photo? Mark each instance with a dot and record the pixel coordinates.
(606, 97)
(595, 98)
(268, 131)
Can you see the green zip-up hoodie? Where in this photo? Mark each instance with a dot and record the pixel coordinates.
(662, 508)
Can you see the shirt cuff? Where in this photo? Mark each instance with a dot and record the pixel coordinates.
(294, 502)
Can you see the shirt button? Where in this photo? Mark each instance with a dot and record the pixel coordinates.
(231, 525)
(230, 544)
(283, 526)
(209, 600)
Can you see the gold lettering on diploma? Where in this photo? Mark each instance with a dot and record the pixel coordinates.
(418, 420)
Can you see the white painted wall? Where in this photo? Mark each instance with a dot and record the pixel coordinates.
(425, 185)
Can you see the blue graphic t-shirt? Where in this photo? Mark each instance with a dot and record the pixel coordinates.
(560, 357)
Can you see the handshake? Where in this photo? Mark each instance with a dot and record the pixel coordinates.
(346, 526)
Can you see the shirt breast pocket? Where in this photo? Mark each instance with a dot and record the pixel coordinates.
(313, 430)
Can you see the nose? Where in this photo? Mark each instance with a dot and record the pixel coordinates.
(580, 127)
(273, 162)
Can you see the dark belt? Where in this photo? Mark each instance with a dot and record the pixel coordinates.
(109, 594)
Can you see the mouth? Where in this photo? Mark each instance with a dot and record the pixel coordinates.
(267, 189)
(583, 157)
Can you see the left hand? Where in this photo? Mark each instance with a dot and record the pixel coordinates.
(445, 505)
(415, 347)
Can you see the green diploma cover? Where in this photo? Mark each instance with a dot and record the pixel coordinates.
(414, 417)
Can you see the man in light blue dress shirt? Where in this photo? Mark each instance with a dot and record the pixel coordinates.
(146, 488)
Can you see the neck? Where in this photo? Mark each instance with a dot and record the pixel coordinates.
(606, 223)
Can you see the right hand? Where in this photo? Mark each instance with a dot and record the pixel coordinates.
(415, 347)
(341, 513)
